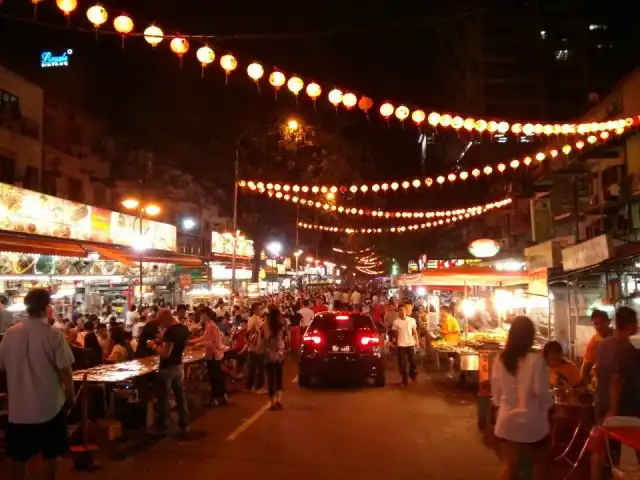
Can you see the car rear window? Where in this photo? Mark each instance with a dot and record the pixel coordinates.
(335, 322)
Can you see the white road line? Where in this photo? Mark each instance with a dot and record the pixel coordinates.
(248, 422)
(295, 379)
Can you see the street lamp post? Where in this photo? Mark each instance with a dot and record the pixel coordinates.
(291, 125)
(141, 210)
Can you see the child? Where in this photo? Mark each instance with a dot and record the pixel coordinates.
(562, 372)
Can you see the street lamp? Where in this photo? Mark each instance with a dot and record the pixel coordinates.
(188, 223)
(150, 210)
(292, 125)
(275, 248)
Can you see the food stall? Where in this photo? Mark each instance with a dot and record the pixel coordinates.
(477, 289)
(81, 253)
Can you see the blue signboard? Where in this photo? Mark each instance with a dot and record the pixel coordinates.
(52, 60)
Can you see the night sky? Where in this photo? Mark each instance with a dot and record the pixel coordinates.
(379, 49)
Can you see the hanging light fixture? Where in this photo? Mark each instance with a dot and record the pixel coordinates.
(277, 80)
(97, 15)
(295, 85)
(228, 63)
(153, 35)
(123, 25)
(179, 46)
(205, 56)
(255, 72)
(314, 90)
(349, 100)
(66, 7)
(335, 97)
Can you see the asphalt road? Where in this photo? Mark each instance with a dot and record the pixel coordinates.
(425, 431)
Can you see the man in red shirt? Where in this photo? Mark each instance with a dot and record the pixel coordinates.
(320, 306)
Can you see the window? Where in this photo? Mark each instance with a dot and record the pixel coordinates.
(74, 190)
(596, 26)
(9, 106)
(49, 182)
(543, 34)
(7, 169)
(331, 322)
(562, 55)
(30, 180)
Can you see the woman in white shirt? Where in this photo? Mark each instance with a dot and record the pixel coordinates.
(520, 389)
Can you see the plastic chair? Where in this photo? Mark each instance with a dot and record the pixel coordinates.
(622, 473)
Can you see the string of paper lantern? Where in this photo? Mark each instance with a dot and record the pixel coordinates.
(123, 24)
(436, 222)
(579, 145)
(375, 213)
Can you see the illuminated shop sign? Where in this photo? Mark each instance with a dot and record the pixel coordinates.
(55, 60)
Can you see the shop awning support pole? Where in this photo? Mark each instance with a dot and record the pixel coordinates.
(141, 273)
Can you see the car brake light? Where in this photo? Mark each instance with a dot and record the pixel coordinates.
(342, 317)
(315, 339)
(369, 340)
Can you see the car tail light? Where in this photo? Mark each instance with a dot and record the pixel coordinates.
(312, 339)
(368, 340)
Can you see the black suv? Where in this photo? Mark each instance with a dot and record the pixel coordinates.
(340, 345)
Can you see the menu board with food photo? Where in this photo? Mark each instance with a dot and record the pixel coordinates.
(125, 230)
(26, 211)
(222, 243)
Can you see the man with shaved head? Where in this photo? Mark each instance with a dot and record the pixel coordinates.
(171, 373)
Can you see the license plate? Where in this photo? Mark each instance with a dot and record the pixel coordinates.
(339, 349)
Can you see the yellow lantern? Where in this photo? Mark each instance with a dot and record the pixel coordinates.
(386, 110)
(123, 25)
(402, 113)
(295, 85)
(566, 149)
(67, 6)
(205, 56)
(503, 127)
(487, 170)
(335, 97)
(277, 80)
(434, 119)
(153, 35)
(469, 124)
(179, 46)
(445, 120)
(97, 15)
(255, 72)
(481, 125)
(314, 90)
(457, 123)
(228, 63)
(418, 116)
(349, 100)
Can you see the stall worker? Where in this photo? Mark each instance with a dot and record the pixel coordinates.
(449, 326)
(562, 372)
(602, 324)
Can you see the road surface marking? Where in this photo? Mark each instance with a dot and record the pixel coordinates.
(248, 422)
(295, 379)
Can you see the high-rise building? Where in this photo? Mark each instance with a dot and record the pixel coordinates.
(533, 59)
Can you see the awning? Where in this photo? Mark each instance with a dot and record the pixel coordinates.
(34, 244)
(464, 276)
(11, 242)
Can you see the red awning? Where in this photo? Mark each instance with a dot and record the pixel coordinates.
(34, 244)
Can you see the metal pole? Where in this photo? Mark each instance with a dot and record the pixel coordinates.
(141, 253)
(235, 216)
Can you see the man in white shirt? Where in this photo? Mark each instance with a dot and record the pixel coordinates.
(131, 318)
(356, 301)
(37, 360)
(406, 338)
(337, 297)
(306, 316)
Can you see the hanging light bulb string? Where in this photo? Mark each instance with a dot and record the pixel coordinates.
(347, 99)
(592, 141)
(374, 213)
(434, 223)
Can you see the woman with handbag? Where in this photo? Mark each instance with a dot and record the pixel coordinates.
(273, 334)
(520, 389)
